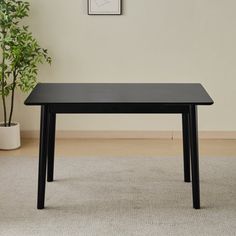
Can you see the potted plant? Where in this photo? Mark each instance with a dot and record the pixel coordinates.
(20, 55)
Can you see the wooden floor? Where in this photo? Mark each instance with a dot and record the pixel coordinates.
(125, 147)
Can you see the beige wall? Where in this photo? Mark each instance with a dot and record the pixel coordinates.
(154, 41)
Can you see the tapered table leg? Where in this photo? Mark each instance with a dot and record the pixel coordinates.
(186, 146)
(194, 156)
(42, 156)
(51, 146)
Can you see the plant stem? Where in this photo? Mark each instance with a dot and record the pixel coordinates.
(12, 96)
(3, 82)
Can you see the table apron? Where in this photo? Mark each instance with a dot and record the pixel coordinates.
(116, 108)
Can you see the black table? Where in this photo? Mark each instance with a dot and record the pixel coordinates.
(118, 98)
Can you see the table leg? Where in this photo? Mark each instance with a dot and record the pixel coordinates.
(42, 156)
(51, 146)
(194, 156)
(186, 146)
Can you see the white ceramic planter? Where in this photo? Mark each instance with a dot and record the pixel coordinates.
(10, 136)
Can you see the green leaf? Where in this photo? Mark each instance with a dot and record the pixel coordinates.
(21, 51)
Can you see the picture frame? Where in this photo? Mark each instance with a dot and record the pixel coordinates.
(104, 7)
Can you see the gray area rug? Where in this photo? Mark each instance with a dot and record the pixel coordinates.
(117, 196)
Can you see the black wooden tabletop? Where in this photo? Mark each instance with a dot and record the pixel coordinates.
(75, 93)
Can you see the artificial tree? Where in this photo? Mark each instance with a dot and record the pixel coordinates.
(20, 54)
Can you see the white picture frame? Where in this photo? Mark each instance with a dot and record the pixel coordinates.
(104, 7)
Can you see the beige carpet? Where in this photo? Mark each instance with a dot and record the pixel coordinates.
(117, 196)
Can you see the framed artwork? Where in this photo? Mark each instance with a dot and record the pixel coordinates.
(104, 7)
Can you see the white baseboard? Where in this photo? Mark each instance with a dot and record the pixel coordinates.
(210, 135)
(132, 134)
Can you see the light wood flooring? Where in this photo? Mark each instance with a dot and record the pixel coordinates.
(125, 147)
